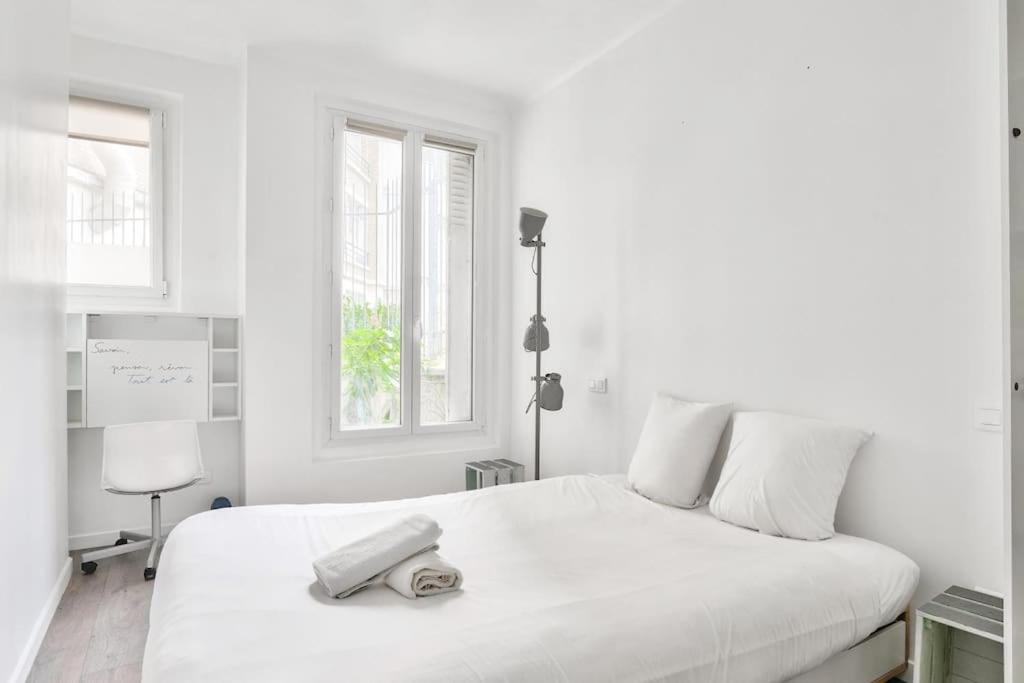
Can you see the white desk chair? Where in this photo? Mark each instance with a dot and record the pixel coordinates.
(146, 458)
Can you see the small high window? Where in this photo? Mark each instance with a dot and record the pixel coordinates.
(114, 199)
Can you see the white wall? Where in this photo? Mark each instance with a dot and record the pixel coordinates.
(794, 206)
(33, 474)
(209, 149)
(285, 459)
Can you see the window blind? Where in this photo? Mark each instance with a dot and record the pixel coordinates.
(102, 121)
(449, 144)
(378, 130)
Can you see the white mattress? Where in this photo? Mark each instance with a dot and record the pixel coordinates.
(566, 579)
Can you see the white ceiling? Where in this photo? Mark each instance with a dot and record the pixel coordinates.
(514, 48)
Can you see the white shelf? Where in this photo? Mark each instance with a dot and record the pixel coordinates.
(74, 369)
(225, 370)
(224, 333)
(74, 331)
(75, 406)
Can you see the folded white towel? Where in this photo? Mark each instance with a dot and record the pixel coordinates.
(363, 562)
(424, 574)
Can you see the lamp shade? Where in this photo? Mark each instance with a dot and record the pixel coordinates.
(536, 336)
(531, 222)
(551, 392)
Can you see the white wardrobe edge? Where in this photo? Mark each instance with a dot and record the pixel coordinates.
(42, 625)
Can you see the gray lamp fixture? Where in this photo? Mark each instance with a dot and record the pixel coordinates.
(537, 337)
(531, 222)
(548, 392)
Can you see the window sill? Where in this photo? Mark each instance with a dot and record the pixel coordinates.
(366, 445)
(97, 298)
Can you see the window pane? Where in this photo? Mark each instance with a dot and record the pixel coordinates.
(109, 231)
(446, 305)
(371, 281)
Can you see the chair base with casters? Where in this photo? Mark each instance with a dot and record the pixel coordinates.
(132, 542)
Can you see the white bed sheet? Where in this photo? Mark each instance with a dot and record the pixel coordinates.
(567, 579)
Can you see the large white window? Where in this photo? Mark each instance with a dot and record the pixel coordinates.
(402, 277)
(115, 199)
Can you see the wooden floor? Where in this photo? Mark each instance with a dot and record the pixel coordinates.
(99, 630)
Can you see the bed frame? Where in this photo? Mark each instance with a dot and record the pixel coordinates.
(878, 658)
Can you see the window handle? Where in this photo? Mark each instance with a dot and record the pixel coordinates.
(417, 331)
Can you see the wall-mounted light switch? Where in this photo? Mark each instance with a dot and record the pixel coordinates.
(598, 385)
(988, 419)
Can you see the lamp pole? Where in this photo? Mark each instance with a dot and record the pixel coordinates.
(537, 375)
(531, 226)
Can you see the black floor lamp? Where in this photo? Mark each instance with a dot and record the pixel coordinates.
(548, 392)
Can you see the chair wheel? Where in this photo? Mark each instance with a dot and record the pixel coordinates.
(121, 541)
(88, 567)
(149, 573)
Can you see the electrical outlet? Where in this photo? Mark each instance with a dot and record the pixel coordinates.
(598, 385)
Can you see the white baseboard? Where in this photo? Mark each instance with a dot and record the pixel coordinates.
(35, 640)
(100, 539)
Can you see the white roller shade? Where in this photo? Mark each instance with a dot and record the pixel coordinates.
(378, 130)
(102, 121)
(449, 144)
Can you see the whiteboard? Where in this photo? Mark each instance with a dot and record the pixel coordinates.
(140, 380)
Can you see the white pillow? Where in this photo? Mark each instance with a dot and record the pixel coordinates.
(783, 474)
(675, 449)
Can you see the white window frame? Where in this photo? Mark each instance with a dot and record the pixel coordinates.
(416, 130)
(163, 193)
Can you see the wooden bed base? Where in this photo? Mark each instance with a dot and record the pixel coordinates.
(878, 658)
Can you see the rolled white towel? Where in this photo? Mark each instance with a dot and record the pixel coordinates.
(363, 562)
(425, 574)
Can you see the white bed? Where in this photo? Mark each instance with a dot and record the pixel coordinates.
(567, 579)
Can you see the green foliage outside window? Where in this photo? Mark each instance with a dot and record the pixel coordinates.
(371, 361)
